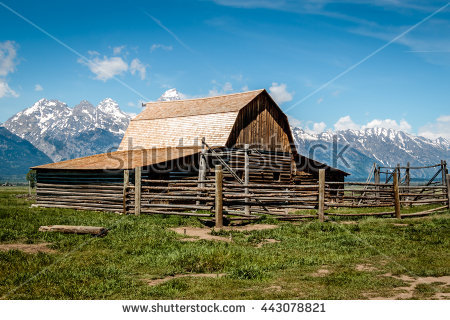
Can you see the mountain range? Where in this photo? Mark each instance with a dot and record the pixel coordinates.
(65, 133)
(50, 130)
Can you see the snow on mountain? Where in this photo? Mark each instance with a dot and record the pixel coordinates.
(387, 147)
(171, 95)
(65, 133)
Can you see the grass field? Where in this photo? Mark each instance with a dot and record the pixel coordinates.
(371, 258)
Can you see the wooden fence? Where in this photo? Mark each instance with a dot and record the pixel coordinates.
(248, 201)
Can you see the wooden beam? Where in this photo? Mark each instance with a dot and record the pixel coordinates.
(219, 196)
(443, 171)
(246, 177)
(447, 179)
(126, 182)
(396, 195)
(202, 170)
(96, 231)
(137, 190)
(320, 211)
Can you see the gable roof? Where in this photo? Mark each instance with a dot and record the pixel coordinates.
(184, 122)
(201, 106)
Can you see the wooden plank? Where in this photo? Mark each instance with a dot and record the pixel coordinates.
(246, 177)
(447, 179)
(219, 197)
(96, 231)
(320, 210)
(396, 195)
(137, 190)
(126, 182)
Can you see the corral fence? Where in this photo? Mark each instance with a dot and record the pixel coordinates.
(231, 200)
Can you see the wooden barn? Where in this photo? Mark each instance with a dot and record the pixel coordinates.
(173, 143)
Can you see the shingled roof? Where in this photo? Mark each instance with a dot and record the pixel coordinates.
(200, 106)
(129, 159)
(183, 122)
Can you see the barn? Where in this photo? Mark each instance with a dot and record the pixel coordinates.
(174, 143)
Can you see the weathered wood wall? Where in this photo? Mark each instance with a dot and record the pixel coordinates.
(80, 189)
(262, 125)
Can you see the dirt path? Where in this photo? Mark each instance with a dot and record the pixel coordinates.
(27, 248)
(407, 292)
(195, 234)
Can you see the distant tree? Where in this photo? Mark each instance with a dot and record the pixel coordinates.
(31, 177)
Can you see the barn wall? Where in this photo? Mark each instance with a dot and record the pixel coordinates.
(80, 189)
(262, 125)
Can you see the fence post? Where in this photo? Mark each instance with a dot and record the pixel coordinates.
(126, 182)
(246, 177)
(219, 196)
(376, 178)
(447, 178)
(137, 190)
(320, 211)
(202, 170)
(444, 171)
(396, 195)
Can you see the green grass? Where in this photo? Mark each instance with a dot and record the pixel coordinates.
(139, 248)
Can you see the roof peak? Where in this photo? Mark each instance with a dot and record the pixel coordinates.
(204, 98)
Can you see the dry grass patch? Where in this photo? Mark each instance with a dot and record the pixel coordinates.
(27, 248)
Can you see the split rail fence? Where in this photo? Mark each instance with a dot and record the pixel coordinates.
(248, 201)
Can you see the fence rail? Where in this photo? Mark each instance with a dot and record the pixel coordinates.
(279, 200)
(218, 195)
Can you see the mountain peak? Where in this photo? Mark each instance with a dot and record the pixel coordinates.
(171, 95)
(109, 106)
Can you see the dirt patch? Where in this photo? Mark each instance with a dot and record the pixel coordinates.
(195, 234)
(266, 241)
(348, 222)
(365, 267)
(322, 272)
(407, 292)
(27, 248)
(273, 288)
(251, 227)
(400, 224)
(155, 282)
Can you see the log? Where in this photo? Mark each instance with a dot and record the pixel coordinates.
(96, 231)
(321, 200)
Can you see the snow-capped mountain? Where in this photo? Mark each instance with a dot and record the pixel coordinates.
(171, 94)
(386, 147)
(66, 133)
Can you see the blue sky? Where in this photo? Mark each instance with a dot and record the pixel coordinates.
(319, 59)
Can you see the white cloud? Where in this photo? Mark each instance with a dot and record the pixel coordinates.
(136, 66)
(131, 104)
(8, 57)
(8, 62)
(6, 91)
(38, 87)
(320, 100)
(279, 93)
(160, 46)
(226, 88)
(106, 68)
(345, 123)
(118, 50)
(244, 88)
(439, 128)
(317, 127)
(389, 124)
